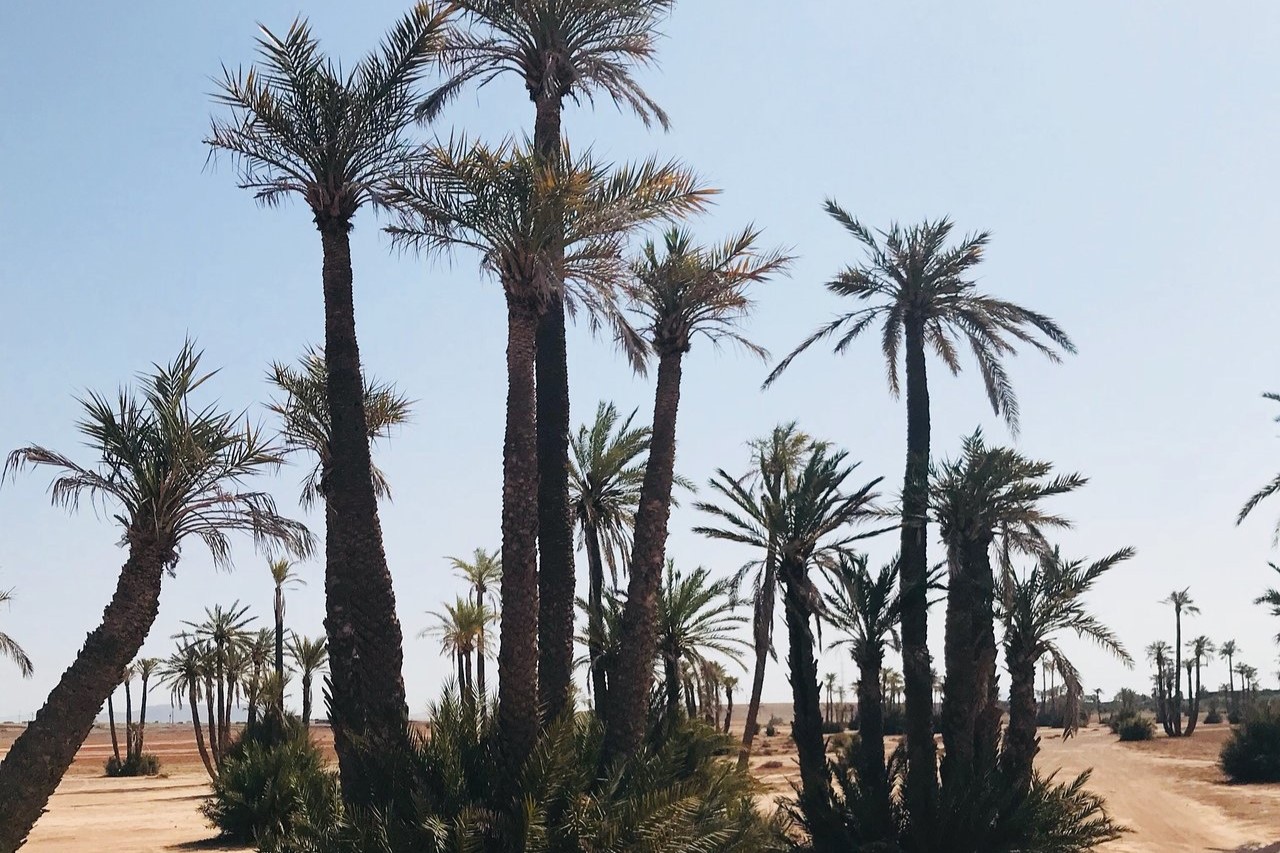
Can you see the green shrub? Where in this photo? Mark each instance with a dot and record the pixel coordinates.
(146, 764)
(1136, 727)
(1233, 717)
(830, 727)
(1214, 716)
(271, 784)
(1252, 754)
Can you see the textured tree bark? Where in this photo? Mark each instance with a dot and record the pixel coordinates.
(213, 721)
(970, 654)
(922, 774)
(142, 717)
(1193, 709)
(595, 619)
(1020, 741)
(629, 690)
(365, 641)
(130, 733)
(306, 700)
(871, 765)
(518, 642)
(193, 694)
(763, 637)
(279, 613)
(41, 755)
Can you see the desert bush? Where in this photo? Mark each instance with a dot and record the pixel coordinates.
(771, 729)
(1252, 753)
(1055, 717)
(271, 785)
(842, 742)
(1214, 716)
(146, 764)
(1234, 718)
(831, 727)
(1135, 728)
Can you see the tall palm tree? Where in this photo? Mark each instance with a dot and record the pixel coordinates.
(146, 668)
(9, 647)
(865, 609)
(483, 574)
(182, 671)
(685, 291)
(1271, 598)
(696, 617)
(1033, 609)
(170, 469)
(1180, 601)
(559, 49)
(811, 518)
(1227, 651)
(1199, 650)
(984, 494)
(606, 470)
(282, 575)
(1266, 491)
(224, 631)
(309, 656)
(495, 201)
(300, 125)
(1158, 654)
(921, 293)
(305, 425)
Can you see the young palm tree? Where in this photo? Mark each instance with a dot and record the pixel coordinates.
(1266, 491)
(1180, 601)
(606, 470)
(304, 418)
(282, 575)
(984, 494)
(224, 632)
(309, 656)
(495, 201)
(483, 573)
(458, 629)
(299, 125)
(1227, 651)
(687, 291)
(146, 668)
(810, 522)
(559, 49)
(1199, 650)
(171, 470)
(1033, 609)
(696, 617)
(920, 292)
(183, 672)
(9, 647)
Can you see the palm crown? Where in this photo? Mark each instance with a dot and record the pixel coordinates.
(606, 471)
(912, 278)
(864, 607)
(696, 617)
(483, 571)
(1266, 491)
(309, 655)
(9, 647)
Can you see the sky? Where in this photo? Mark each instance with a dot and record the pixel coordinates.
(1121, 155)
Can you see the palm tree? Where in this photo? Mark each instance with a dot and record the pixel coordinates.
(1227, 651)
(922, 295)
(482, 574)
(183, 672)
(1266, 491)
(282, 575)
(146, 667)
(688, 291)
(559, 49)
(1180, 601)
(9, 647)
(809, 519)
(695, 618)
(224, 631)
(1158, 654)
(605, 475)
(170, 469)
(310, 656)
(984, 494)
(1199, 650)
(1033, 609)
(1271, 598)
(459, 627)
(259, 647)
(865, 609)
(304, 418)
(495, 201)
(829, 682)
(299, 125)
(730, 684)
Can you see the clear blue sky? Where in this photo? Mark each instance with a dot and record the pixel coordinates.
(1123, 155)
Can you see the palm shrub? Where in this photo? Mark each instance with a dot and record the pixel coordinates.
(138, 764)
(1252, 754)
(1136, 727)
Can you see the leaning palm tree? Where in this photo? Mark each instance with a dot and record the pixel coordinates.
(9, 647)
(559, 49)
(1227, 651)
(1034, 609)
(496, 202)
(679, 292)
(309, 656)
(170, 470)
(985, 494)
(921, 293)
(282, 575)
(1199, 650)
(1266, 491)
(483, 573)
(305, 425)
(696, 617)
(1180, 601)
(810, 521)
(301, 125)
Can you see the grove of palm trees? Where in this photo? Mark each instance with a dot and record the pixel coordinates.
(699, 531)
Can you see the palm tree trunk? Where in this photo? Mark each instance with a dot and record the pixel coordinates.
(215, 728)
(1176, 712)
(194, 694)
(763, 637)
(918, 682)
(279, 608)
(629, 690)
(462, 674)
(41, 755)
(671, 673)
(111, 720)
(480, 652)
(1193, 714)
(518, 643)
(970, 660)
(224, 715)
(365, 641)
(815, 783)
(306, 699)
(871, 768)
(728, 710)
(556, 583)
(142, 716)
(1020, 741)
(1231, 687)
(595, 618)
(130, 733)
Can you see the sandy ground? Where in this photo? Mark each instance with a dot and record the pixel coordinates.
(1169, 792)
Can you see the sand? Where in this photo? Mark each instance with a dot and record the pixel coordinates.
(1169, 792)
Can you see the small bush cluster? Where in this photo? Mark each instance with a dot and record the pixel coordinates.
(146, 764)
(1214, 716)
(831, 727)
(1136, 728)
(1252, 754)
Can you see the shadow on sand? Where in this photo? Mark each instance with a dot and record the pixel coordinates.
(1273, 847)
